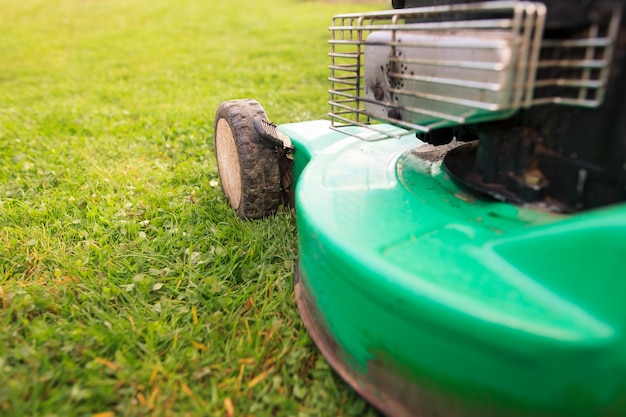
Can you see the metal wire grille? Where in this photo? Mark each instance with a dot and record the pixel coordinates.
(430, 67)
(575, 71)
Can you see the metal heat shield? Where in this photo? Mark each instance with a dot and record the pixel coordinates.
(436, 79)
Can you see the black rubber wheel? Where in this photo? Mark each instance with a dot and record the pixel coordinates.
(247, 165)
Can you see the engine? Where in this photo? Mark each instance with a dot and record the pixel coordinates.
(534, 92)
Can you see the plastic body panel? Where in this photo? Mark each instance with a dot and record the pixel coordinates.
(443, 302)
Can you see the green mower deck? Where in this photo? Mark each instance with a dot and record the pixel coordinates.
(432, 301)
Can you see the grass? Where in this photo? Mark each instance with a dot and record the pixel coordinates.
(127, 286)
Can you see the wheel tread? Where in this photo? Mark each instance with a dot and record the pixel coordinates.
(259, 162)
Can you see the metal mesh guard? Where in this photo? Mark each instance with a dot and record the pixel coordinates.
(431, 67)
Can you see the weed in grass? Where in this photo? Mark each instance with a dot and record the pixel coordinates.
(127, 286)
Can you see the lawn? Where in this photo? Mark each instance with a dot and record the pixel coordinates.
(127, 286)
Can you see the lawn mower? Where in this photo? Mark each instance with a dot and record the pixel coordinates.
(461, 216)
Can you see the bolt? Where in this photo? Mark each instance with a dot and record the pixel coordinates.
(394, 114)
(379, 93)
